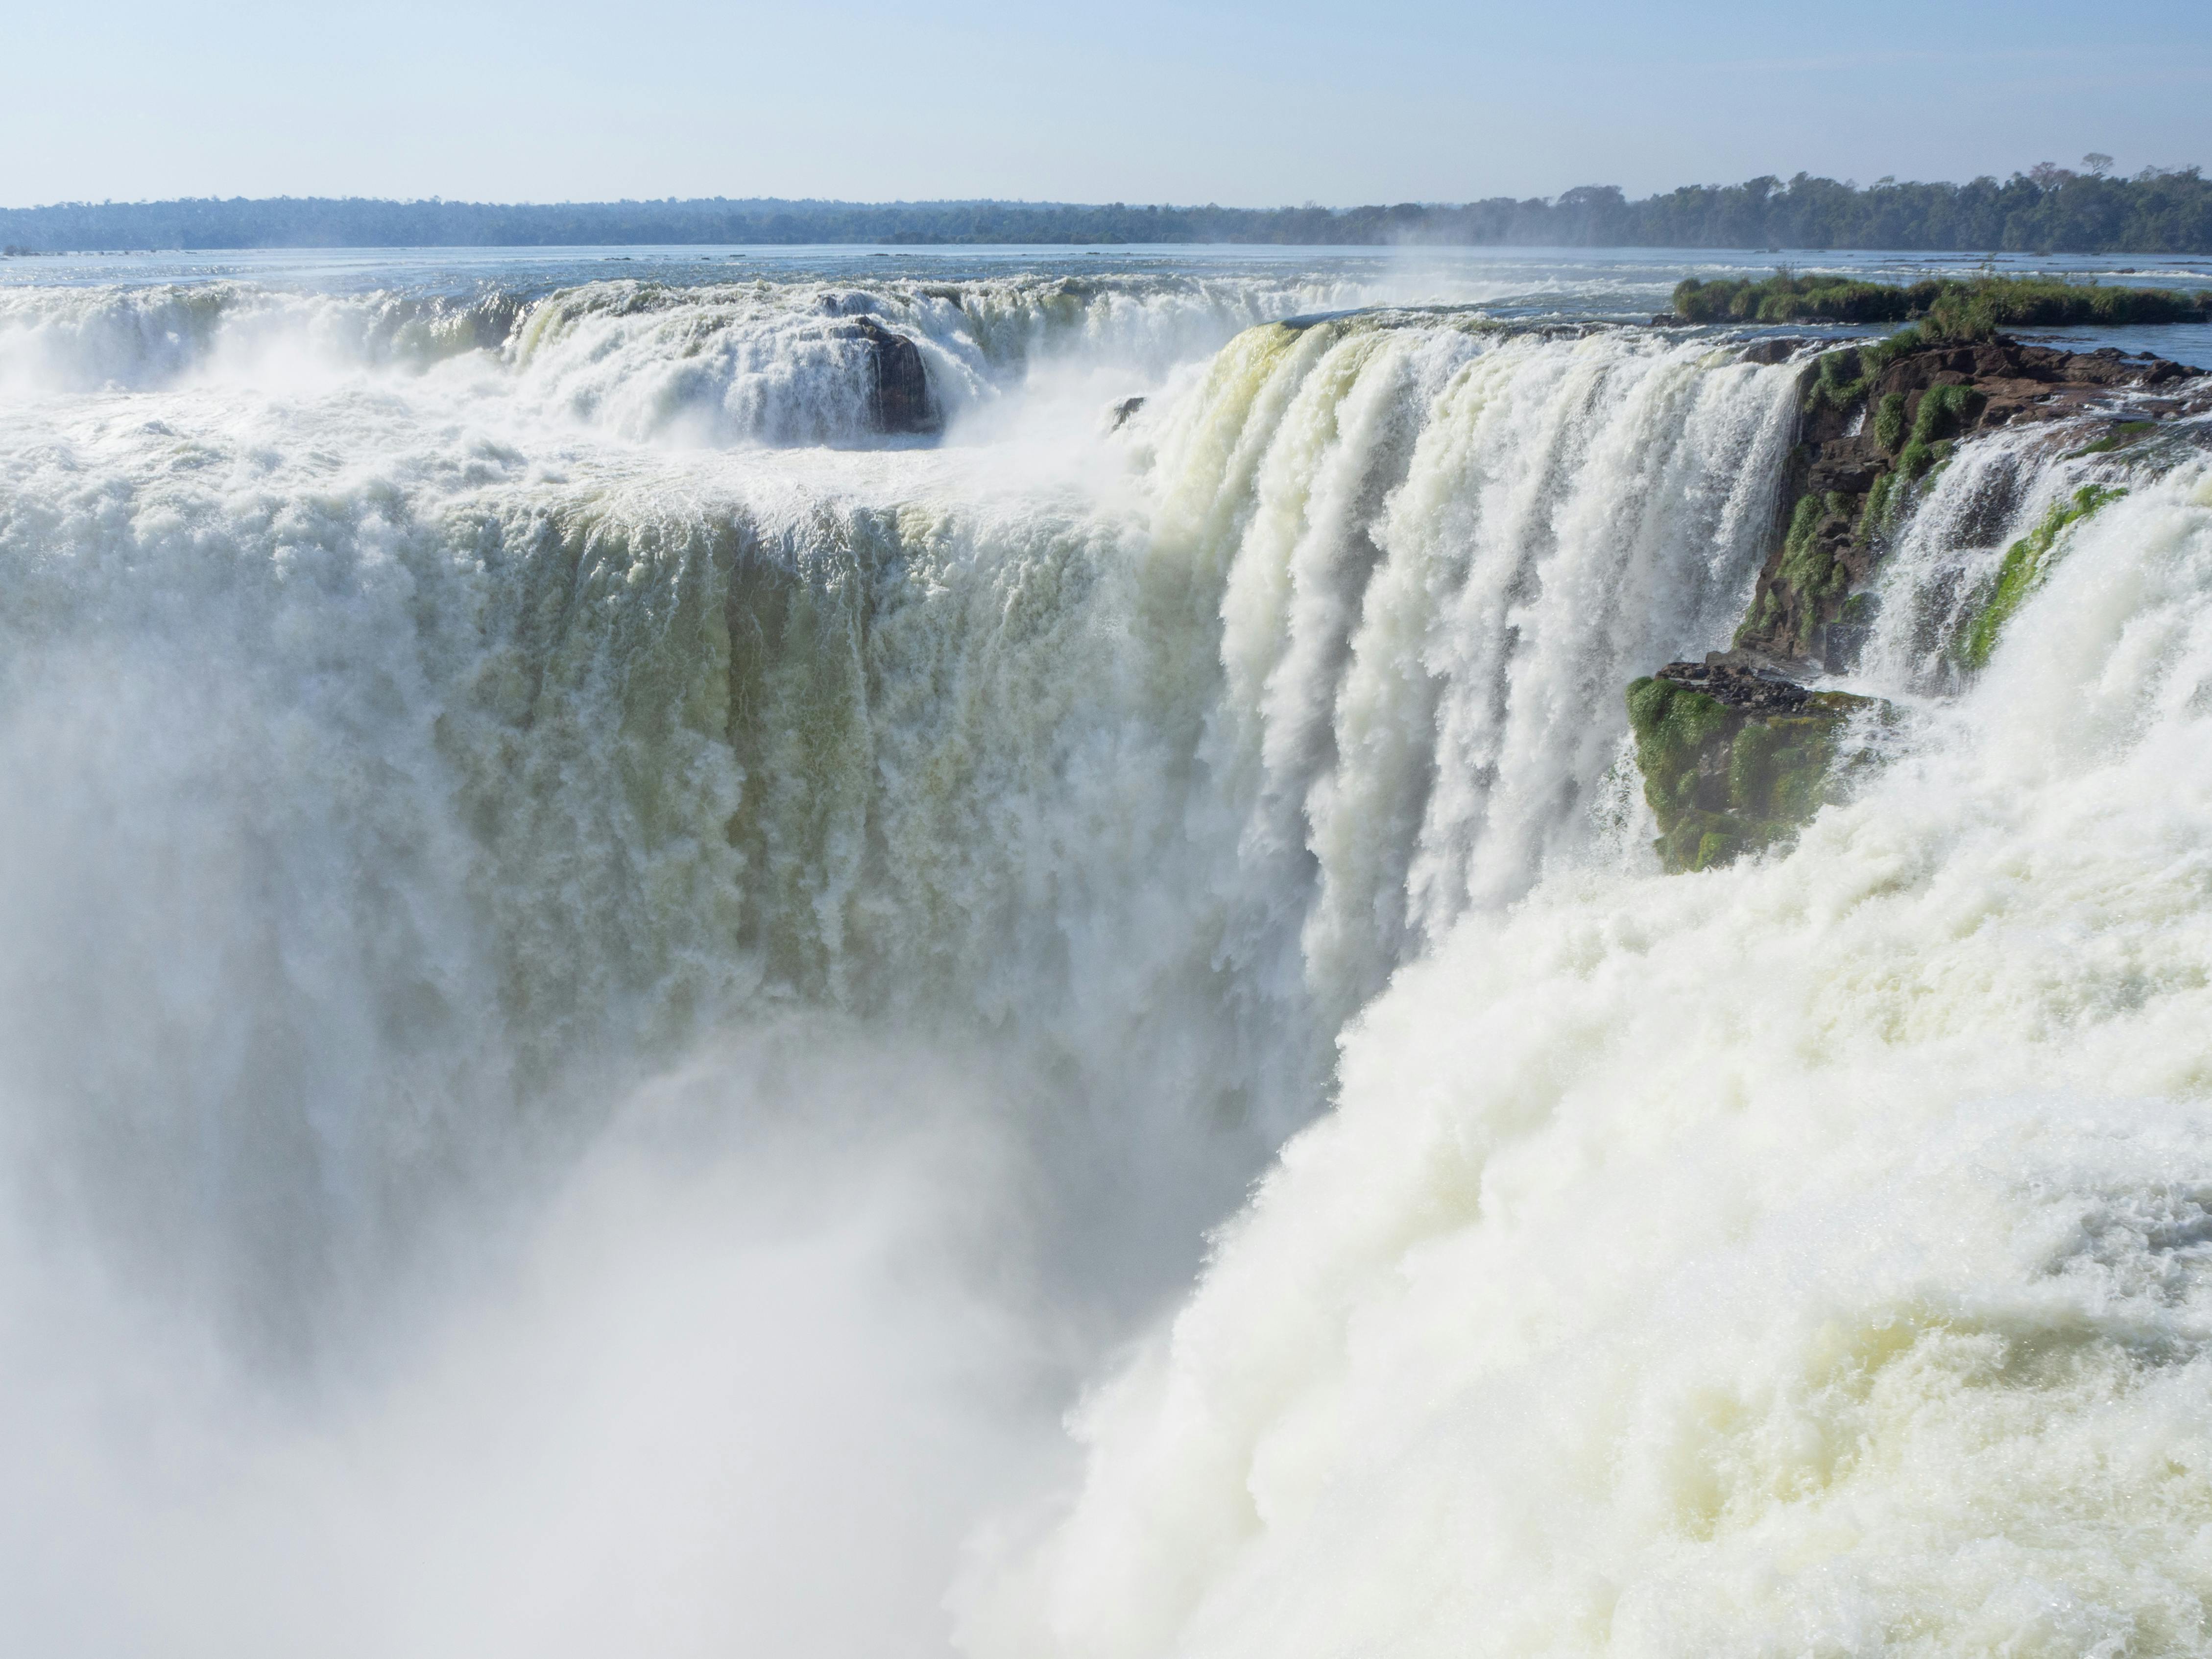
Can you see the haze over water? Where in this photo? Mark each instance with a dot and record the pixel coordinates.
(635, 1017)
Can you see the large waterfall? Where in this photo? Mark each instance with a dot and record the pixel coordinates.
(615, 988)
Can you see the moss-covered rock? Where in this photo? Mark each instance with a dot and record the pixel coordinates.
(1733, 761)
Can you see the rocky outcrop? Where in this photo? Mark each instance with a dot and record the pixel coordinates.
(1734, 758)
(1735, 753)
(900, 400)
(1877, 420)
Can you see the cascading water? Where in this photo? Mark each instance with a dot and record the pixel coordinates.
(1805, 1257)
(579, 926)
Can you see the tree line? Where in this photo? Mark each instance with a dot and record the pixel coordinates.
(2047, 209)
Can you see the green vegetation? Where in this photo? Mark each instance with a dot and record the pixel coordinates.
(2047, 207)
(1889, 423)
(1874, 516)
(1786, 298)
(1845, 375)
(1839, 383)
(1945, 410)
(1723, 780)
(1947, 310)
(1971, 311)
(2027, 561)
(2119, 438)
(1806, 566)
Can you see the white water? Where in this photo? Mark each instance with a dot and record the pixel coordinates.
(599, 1022)
(1808, 1257)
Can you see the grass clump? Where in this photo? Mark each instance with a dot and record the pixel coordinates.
(1972, 310)
(2028, 563)
(1889, 423)
(1944, 412)
(1846, 374)
(1806, 566)
(1786, 297)
(1874, 516)
(1841, 380)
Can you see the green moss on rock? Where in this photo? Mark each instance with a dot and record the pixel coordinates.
(1840, 380)
(2119, 438)
(1873, 518)
(1805, 565)
(1725, 780)
(2027, 561)
(1944, 412)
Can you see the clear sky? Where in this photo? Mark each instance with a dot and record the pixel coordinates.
(1106, 100)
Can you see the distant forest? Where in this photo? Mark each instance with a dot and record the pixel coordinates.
(2046, 210)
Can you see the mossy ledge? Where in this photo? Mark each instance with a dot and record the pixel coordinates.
(1734, 760)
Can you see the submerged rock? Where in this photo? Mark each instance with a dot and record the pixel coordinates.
(1734, 758)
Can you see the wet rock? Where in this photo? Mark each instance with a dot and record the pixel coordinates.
(1126, 410)
(899, 400)
(1734, 681)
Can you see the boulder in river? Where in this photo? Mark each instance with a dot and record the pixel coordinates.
(899, 400)
(1734, 758)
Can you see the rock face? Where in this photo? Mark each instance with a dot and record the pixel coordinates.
(1877, 419)
(900, 401)
(1733, 758)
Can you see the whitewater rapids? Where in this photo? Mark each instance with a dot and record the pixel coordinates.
(614, 990)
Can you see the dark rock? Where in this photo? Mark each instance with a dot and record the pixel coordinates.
(899, 400)
(1729, 680)
(1769, 351)
(1124, 411)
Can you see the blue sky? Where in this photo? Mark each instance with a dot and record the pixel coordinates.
(1112, 99)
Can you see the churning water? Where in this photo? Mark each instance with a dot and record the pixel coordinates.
(615, 989)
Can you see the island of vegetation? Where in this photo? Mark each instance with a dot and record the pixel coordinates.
(1952, 308)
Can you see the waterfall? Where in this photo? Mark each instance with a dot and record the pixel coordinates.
(1800, 1256)
(534, 787)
